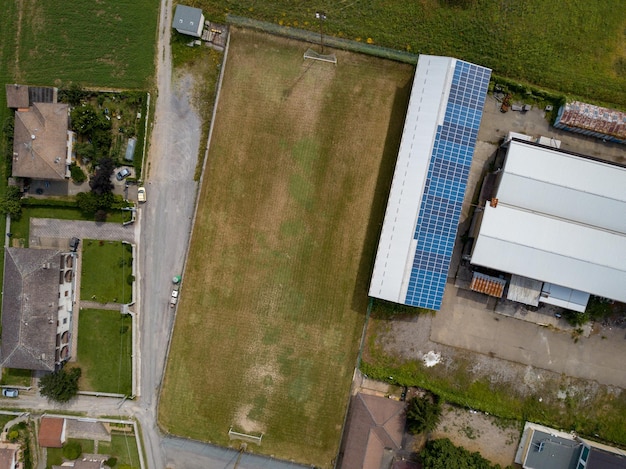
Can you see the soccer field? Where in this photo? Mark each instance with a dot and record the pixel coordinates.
(275, 288)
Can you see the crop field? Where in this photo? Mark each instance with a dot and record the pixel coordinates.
(573, 46)
(275, 289)
(95, 43)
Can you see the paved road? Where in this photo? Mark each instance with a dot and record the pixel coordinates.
(51, 228)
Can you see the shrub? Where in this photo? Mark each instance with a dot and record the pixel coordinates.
(111, 462)
(78, 175)
(13, 435)
(11, 203)
(423, 414)
(442, 454)
(72, 450)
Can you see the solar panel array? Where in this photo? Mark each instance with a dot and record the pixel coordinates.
(446, 181)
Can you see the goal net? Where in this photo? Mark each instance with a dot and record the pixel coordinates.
(233, 435)
(311, 54)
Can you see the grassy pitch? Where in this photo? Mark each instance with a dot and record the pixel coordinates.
(275, 288)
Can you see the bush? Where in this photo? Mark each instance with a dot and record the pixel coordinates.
(11, 203)
(442, 454)
(78, 175)
(72, 450)
(130, 279)
(13, 435)
(423, 414)
(111, 462)
(32, 202)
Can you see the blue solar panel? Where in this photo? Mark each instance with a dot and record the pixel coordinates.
(444, 191)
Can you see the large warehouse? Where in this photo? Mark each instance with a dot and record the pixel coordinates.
(558, 219)
(428, 187)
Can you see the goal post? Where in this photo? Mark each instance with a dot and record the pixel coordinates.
(311, 54)
(233, 435)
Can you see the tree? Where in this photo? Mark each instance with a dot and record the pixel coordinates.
(423, 414)
(100, 182)
(72, 450)
(72, 94)
(11, 203)
(60, 386)
(87, 202)
(85, 151)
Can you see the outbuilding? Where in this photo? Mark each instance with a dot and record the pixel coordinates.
(188, 20)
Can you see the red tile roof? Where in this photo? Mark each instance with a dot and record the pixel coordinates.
(50, 432)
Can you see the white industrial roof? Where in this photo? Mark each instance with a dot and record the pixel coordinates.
(425, 112)
(560, 218)
(568, 186)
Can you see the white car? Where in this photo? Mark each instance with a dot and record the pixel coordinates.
(141, 194)
(8, 392)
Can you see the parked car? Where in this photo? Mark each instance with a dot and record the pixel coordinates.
(9, 392)
(122, 174)
(141, 194)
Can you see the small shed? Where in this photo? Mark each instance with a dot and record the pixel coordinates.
(188, 20)
(52, 432)
(130, 149)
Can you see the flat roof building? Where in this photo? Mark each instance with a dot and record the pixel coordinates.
(559, 218)
(428, 187)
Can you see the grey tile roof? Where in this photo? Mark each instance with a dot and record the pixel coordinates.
(30, 308)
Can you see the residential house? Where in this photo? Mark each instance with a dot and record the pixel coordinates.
(9, 455)
(374, 432)
(37, 307)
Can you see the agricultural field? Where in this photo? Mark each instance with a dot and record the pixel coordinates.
(274, 294)
(101, 44)
(574, 47)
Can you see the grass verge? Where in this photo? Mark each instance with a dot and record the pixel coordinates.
(106, 271)
(16, 377)
(275, 288)
(104, 351)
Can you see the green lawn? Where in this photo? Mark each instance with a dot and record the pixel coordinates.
(104, 351)
(272, 307)
(123, 447)
(576, 47)
(16, 377)
(106, 266)
(5, 418)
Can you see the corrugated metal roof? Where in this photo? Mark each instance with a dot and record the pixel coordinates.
(575, 188)
(594, 118)
(524, 290)
(396, 246)
(492, 286)
(552, 250)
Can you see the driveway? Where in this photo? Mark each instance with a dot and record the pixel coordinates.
(42, 229)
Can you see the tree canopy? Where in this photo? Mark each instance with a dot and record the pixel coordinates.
(423, 414)
(100, 182)
(60, 386)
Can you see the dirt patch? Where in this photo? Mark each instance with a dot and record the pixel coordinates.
(495, 439)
